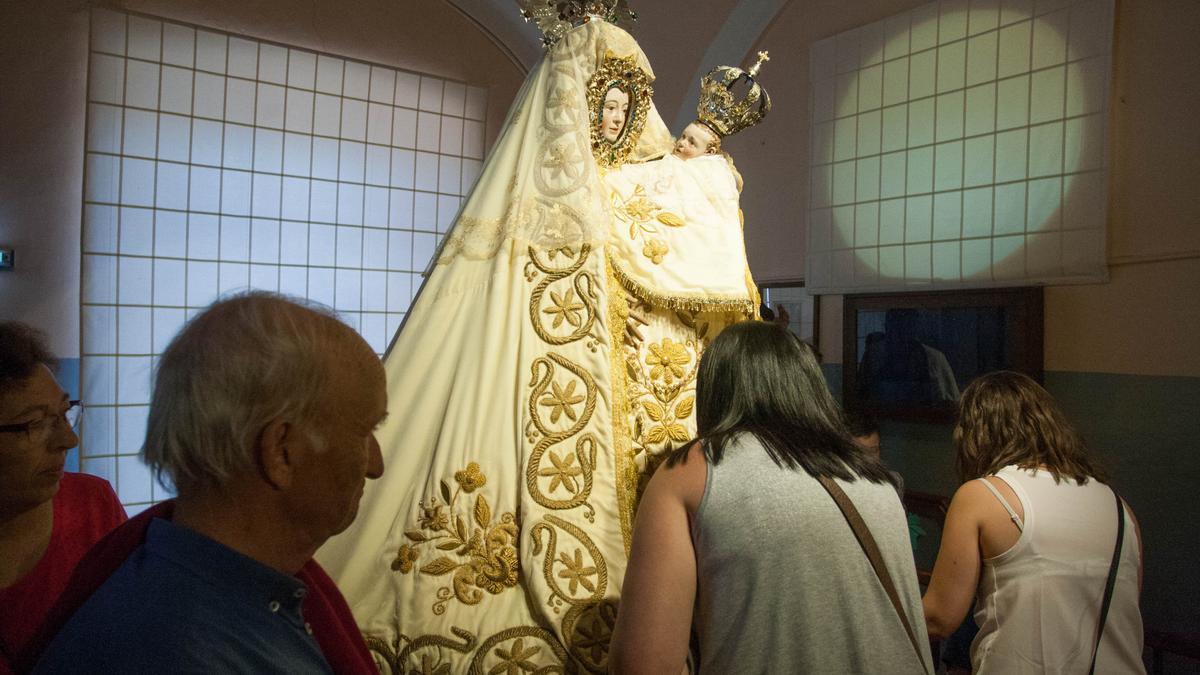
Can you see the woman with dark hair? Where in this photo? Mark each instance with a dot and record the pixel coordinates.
(739, 534)
(48, 518)
(1048, 551)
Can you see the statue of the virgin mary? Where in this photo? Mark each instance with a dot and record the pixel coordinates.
(547, 365)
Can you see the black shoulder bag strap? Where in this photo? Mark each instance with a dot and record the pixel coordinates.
(869, 547)
(1112, 579)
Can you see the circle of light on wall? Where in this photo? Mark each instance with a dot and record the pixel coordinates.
(959, 143)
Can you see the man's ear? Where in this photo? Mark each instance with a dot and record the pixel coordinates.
(277, 448)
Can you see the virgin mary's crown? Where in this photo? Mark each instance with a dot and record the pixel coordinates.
(555, 18)
(723, 110)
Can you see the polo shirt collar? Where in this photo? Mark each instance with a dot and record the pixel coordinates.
(222, 566)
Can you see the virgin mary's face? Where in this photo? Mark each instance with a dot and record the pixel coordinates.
(614, 114)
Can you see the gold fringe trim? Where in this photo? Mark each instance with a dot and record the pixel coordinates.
(626, 469)
(755, 295)
(684, 303)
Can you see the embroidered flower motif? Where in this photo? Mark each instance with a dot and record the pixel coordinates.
(667, 360)
(639, 209)
(515, 660)
(594, 637)
(563, 473)
(655, 250)
(564, 98)
(562, 401)
(496, 572)
(432, 517)
(562, 160)
(405, 558)
(430, 667)
(667, 426)
(565, 307)
(576, 573)
(470, 478)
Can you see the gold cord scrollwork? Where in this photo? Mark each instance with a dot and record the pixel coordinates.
(593, 578)
(529, 649)
(518, 656)
(573, 471)
(576, 305)
(583, 571)
(395, 657)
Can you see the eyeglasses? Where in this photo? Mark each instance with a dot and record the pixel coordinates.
(41, 427)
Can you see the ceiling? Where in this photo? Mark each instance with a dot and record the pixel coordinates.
(682, 38)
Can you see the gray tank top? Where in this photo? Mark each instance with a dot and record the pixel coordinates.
(784, 587)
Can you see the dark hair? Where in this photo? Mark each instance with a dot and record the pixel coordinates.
(1005, 418)
(861, 423)
(22, 349)
(759, 379)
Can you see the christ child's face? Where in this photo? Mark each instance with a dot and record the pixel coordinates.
(614, 114)
(695, 140)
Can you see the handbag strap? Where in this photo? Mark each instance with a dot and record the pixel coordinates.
(871, 549)
(1112, 579)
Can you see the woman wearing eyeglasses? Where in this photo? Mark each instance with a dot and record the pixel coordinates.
(48, 518)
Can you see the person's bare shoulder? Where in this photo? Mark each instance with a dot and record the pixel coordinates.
(684, 478)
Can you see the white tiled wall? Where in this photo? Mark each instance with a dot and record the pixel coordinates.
(217, 162)
(960, 144)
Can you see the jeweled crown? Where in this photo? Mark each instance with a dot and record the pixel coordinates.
(721, 109)
(555, 18)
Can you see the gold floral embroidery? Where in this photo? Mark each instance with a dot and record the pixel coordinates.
(667, 423)
(563, 473)
(639, 209)
(561, 465)
(667, 360)
(644, 217)
(571, 472)
(563, 159)
(574, 565)
(657, 380)
(564, 99)
(565, 308)
(591, 633)
(430, 665)
(397, 658)
(527, 648)
(562, 401)
(576, 305)
(405, 558)
(692, 301)
(655, 250)
(576, 572)
(516, 659)
(625, 320)
(485, 549)
(587, 623)
(470, 478)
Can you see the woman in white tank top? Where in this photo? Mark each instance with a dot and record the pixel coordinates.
(1031, 536)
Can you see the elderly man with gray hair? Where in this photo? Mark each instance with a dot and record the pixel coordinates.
(263, 419)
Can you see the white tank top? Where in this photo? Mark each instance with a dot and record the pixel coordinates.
(1039, 602)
